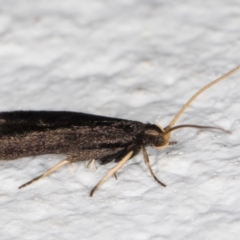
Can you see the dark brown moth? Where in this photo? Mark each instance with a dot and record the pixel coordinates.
(85, 137)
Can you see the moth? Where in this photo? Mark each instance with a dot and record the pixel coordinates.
(83, 137)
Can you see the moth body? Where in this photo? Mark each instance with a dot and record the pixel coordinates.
(79, 135)
(84, 137)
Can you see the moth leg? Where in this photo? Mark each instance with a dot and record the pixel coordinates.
(73, 168)
(146, 160)
(49, 171)
(112, 171)
(91, 164)
(135, 152)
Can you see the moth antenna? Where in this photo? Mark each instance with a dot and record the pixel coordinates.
(168, 130)
(198, 93)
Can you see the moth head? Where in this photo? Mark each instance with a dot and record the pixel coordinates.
(154, 136)
(165, 138)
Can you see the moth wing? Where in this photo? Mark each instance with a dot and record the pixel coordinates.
(90, 131)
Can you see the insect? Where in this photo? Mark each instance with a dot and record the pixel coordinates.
(83, 137)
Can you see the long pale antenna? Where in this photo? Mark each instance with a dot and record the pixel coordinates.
(198, 93)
